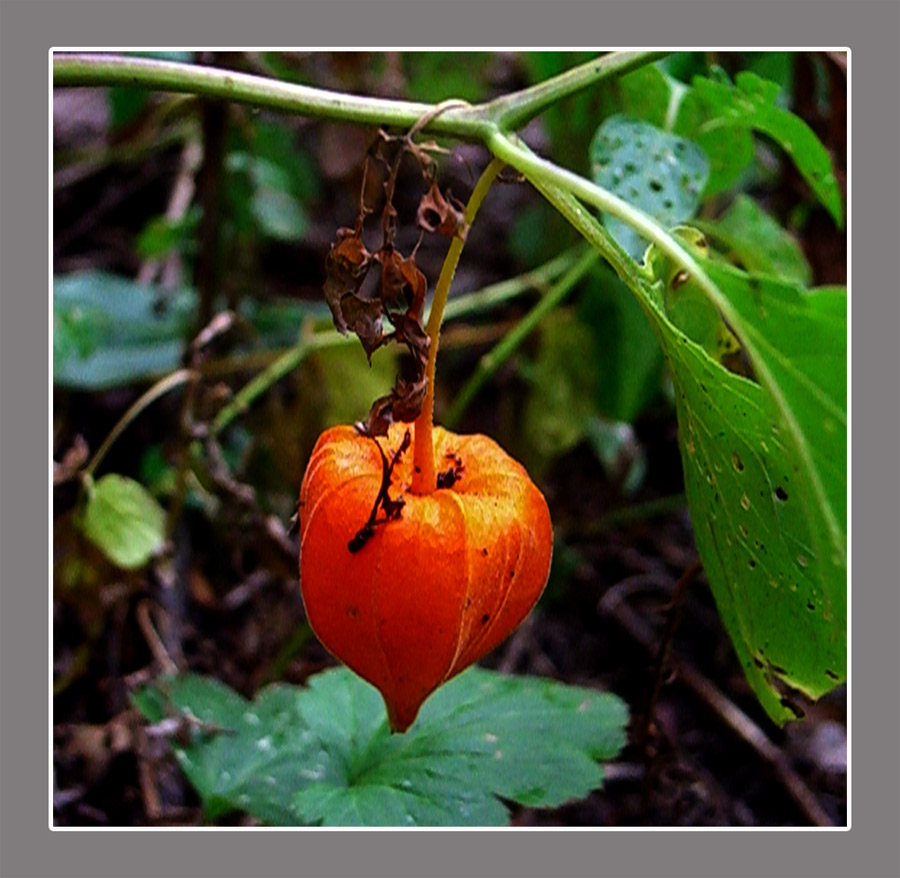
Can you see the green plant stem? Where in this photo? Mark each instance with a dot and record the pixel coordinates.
(562, 187)
(513, 111)
(162, 387)
(492, 361)
(424, 476)
(173, 76)
(270, 376)
(497, 294)
(466, 123)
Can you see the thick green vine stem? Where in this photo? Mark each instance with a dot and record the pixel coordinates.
(466, 123)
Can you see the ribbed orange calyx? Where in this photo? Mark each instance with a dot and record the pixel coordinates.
(433, 588)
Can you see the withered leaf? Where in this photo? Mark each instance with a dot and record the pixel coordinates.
(409, 329)
(363, 318)
(402, 284)
(346, 266)
(437, 214)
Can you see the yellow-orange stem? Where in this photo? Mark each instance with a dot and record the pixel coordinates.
(424, 475)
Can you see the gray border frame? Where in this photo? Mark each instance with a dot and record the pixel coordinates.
(27, 847)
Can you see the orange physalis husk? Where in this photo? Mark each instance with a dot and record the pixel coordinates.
(434, 586)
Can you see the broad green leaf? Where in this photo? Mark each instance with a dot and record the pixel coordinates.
(752, 104)
(764, 465)
(124, 521)
(765, 476)
(659, 173)
(730, 150)
(650, 95)
(109, 330)
(687, 306)
(628, 361)
(323, 755)
(758, 242)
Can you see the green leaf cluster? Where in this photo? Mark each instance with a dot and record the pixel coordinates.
(323, 755)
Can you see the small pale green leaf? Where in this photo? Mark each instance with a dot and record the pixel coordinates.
(279, 214)
(323, 755)
(758, 242)
(659, 173)
(751, 104)
(124, 521)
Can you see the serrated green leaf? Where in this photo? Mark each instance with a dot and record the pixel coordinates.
(323, 755)
(751, 104)
(758, 242)
(659, 173)
(124, 521)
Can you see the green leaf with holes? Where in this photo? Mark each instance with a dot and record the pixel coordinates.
(751, 104)
(323, 755)
(123, 520)
(765, 462)
(659, 173)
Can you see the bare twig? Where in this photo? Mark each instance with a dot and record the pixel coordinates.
(153, 639)
(741, 724)
(179, 202)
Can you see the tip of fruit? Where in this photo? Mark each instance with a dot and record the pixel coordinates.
(400, 719)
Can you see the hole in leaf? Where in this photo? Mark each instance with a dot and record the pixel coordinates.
(745, 502)
(736, 461)
(780, 493)
(655, 185)
(801, 560)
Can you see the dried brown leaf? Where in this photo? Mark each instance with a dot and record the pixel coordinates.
(437, 214)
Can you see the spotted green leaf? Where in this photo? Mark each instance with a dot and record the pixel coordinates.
(765, 469)
(659, 173)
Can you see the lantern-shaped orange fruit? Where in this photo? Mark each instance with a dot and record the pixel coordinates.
(425, 592)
